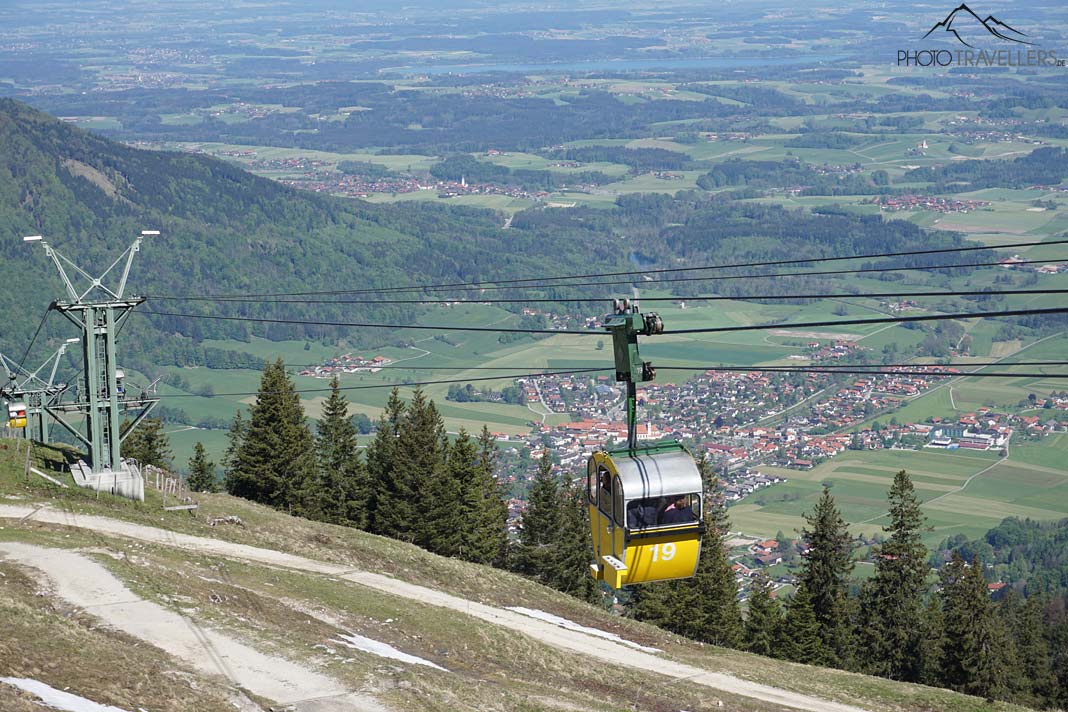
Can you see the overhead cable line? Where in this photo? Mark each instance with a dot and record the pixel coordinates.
(548, 370)
(40, 324)
(763, 275)
(565, 300)
(881, 320)
(848, 366)
(743, 369)
(591, 332)
(494, 329)
(757, 275)
(929, 374)
(502, 283)
(397, 385)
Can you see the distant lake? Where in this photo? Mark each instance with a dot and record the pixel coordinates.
(619, 65)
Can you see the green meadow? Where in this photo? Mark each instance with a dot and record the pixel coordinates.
(962, 492)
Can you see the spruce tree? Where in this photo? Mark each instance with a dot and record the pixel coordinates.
(931, 648)
(717, 618)
(389, 508)
(149, 444)
(763, 620)
(1033, 653)
(540, 524)
(1006, 617)
(827, 564)
(800, 639)
(892, 601)
(201, 471)
(277, 456)
(486, 532)
(338, 493)
(973, 662)
(235, 439)
(655, 603)
(419, 465)
(1057, 639)
(571, 563)
(445, 518)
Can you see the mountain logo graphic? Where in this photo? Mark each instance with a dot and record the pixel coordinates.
(962, 20)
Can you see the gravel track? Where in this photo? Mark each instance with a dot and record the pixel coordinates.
(586, 645)
(82, 582)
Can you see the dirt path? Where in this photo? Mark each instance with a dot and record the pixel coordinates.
(574, 641)
(88, 585)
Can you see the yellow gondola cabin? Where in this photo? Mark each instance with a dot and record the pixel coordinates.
(645, 514)
(16, 415)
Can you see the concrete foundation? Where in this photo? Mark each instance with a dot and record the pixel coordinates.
(126, 482)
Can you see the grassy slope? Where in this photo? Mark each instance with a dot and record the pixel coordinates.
(66, 649)
(491, 668)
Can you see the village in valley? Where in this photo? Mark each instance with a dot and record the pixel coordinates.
(750, 425)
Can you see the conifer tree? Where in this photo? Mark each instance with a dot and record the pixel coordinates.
(716, 617)
(763, 620)
(800, 639)
(277, 454)
(1033, 652)
(1057, 639)
(235, 438)
(149, 444)
(574, 550)
(419, 465)
(339, 491)
(827, 564)
(486, 533)
(1007, 619)
(445, 519)
(654, 603)
(201, 471)
(540, 525)
(973, 663)
(892, 601)
(931, 648)
(389, 509)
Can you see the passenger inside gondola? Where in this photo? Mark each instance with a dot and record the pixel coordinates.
(678, 511)
(641, 513)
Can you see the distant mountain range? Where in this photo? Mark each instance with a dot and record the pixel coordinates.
(963, 22)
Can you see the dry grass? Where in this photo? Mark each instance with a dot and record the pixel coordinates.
(296, 616)
(492, 668)
(66, 649)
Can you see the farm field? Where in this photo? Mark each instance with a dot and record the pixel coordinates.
(459, 355)
(963, 492)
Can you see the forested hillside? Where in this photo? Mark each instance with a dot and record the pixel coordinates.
(226, 231)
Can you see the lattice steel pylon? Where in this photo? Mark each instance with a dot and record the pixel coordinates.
(99, 312)
(34, 391)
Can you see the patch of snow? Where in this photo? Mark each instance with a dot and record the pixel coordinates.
(367, 645)
(571, 625)
(211, 580)
(57, 699)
